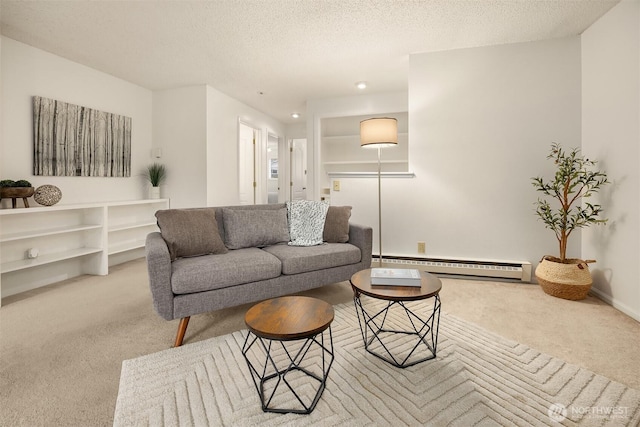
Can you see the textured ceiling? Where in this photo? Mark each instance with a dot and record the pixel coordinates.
(290, 50)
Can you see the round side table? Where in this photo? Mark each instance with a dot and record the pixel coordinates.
(392, 329)
(286, 351)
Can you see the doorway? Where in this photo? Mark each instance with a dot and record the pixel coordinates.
(259, 171)
(273, 169)
(249, 166)
(298, 169)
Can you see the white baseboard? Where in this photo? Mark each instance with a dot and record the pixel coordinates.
(616, 304)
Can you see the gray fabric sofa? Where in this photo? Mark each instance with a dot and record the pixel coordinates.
(182, 286)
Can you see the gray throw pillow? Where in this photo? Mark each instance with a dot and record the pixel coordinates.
(336, 225)
(190, 232)
(254, 228)
(306, 222)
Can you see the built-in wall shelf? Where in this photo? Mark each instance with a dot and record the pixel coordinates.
(9, 237)
(353, 138)
(365, 162)
(21, 264)
(371, 175)
(126, 246)
(365, 167)
(132, 225)
(42, 245)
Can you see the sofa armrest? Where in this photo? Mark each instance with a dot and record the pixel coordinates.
(362, 237)
(159, 268)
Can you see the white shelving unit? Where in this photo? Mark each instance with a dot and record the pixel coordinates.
(128, 226)
(71, 240)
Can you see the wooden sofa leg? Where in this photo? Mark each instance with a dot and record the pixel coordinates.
(182, 328)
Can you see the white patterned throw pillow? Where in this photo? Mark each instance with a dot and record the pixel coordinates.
(306, 222)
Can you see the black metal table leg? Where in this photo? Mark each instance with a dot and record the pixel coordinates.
(267, 370)
(372, 327)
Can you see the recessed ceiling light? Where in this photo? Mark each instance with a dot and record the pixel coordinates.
(361, 85)
(295, 115)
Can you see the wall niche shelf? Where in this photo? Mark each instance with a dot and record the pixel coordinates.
(371, 174)
(71, 240)
(353, 137)
(342, 155)
(367, 162)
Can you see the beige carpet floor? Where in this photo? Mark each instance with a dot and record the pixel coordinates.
(477, 379)
(62, 346)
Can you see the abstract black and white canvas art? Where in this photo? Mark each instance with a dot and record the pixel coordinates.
(71, 140)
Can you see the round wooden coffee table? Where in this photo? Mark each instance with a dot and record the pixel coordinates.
(285, 347)
(388, 321)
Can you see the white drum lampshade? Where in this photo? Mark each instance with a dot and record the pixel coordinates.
(379, 132)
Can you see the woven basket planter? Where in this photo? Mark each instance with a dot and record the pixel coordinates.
(569, 280)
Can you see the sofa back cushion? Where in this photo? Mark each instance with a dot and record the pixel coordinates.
(190, 232)
(254, 228)
(336, 225)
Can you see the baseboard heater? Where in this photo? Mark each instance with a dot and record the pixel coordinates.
(520, 270)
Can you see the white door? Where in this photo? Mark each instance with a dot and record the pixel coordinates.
(273, 169)
(298, 159)
(247, 164)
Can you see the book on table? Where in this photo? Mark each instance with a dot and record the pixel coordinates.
(395, 276)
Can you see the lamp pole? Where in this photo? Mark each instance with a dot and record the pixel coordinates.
(379, 132)
(379, 211)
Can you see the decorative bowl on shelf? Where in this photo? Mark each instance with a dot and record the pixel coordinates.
(14, 193)
(47, 195)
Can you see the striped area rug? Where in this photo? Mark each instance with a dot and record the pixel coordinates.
(477, 379)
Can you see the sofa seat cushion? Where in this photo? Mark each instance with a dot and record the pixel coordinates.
(301, 259)
(208, 272)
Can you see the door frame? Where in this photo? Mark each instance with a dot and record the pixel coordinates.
(258, 154)
(291, 168)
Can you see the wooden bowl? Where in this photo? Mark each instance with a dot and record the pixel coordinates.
(16, 192)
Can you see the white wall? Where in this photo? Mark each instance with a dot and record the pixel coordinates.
(1, 97)
(296, 130)
(27, 71)
(611, 134)
(180, 130)
(481, 122)
(197, 129)
(223, 113)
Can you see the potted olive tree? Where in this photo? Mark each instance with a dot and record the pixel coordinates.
(156, 174)
(574, 181)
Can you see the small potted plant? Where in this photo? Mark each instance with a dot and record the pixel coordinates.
(13, 190)
(573, 181)
(156, 174)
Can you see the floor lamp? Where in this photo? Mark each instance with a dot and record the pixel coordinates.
(379, 133)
